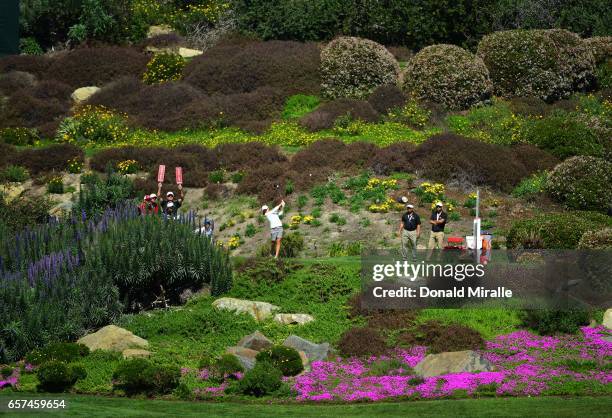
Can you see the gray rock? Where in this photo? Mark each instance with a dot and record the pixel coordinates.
(607, 319)
(453, 362)
(81, 94)
(245, 356)
(314, 352)
(255, 341)
(290, 319)
(260, 311)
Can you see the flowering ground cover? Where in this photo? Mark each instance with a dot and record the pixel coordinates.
(526, 365)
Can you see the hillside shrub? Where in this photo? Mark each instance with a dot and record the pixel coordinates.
(141, 376)
(249, 155)
(452, 158)
(175, 259)
(29, 46)
(440, 337)
(24, 110)
(601, 48)
(33, 64)
(264, 270)
(554, 231)
(448, 75)
(530, 187)
(23, 211)
(16, 80)
(582, 182)
(325, 116)
(164, 67)
(540, 63)
(63, 352)
(227, 365)
(261, 380)
(47, 159)
(550, 322)
(361, 342)
(57, 376)
(533, 158)
(285, 359)
(15, 173)
(88, 66)
(293, 244)
(93, 125)
(52, 89)
(227, 68)
(596, 240)
(97, 194)
(354, 67)
(393, 158)
(387, 97)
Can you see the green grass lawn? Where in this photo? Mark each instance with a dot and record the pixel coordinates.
(486, 407)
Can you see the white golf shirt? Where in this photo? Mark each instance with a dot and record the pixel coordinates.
(273, 216)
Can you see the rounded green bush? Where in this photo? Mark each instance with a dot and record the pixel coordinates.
(549, 64)
(141, 376)
(261, 380)
(164, 67)
(555, 230)
(286, 359)
(354, 67)
(57, 376)
(227, 365)
(581, 182)
(448, 75)
(63, 352)
(549, 322)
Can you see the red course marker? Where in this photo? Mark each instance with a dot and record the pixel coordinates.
(179, 175)
(161, 173)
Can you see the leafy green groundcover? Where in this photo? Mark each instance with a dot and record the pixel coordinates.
(488, 407)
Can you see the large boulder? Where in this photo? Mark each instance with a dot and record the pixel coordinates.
(607, 319)
(255, 341)
(291, 319)
(113, 338)
(314, 352)
(82, 94)
(453, 362)
(258, 310)
(245, 356)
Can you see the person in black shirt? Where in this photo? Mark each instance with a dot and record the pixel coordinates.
(437, 221)
(170, 205)
(409, 231)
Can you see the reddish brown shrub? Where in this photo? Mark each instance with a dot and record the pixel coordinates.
(267, 182)
(392, 319)
(320, 155)
(144, 186)
(533, 158)
(52, 158)
(97, 66)
(16, 80)
(255, 105)
(361, 342)
(393, 158)
(241, 67)
(118, 94)
(453, 158)
(324, 116)
(385, 98)
(235, 157)
(22, 109)
(357, 156)
(51, 89)
(7, 154)
(440, 338)
(34, 64)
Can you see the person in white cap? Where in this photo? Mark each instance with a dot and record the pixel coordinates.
(276, 226)
(170, 205)
(437, 221)
(409, 231)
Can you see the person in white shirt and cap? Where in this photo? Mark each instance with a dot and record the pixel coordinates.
(276, 226)
(170, 205)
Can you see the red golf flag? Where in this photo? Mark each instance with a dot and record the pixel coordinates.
(179, 175)
(161, 173)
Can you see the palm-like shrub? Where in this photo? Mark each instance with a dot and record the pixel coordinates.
(143, 254)
(448, 75)
(354, 67)
(548, 64)
(582, 182)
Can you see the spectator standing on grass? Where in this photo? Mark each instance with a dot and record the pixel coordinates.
(410, 231)
(276, 226)
(437, 221)
(170, 205)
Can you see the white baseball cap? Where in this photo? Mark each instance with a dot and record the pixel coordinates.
(264, 207)
(439, 204)
(153, 196)
(404, 199)
(170, 194)
(410, 206)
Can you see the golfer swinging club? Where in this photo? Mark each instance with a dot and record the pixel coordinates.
(276, 226)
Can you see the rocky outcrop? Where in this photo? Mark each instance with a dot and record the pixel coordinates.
(245, 356)
(292, 319)
(258, 310)
(255, 341)
(453, 362)
(313, 351)
(113, 338)
(82, 94)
